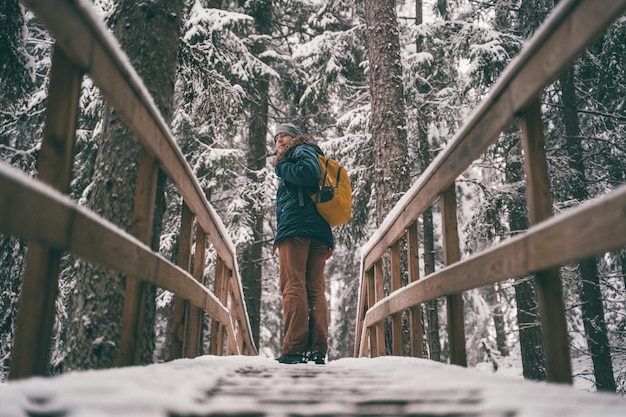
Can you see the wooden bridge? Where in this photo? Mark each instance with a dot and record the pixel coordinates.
(39, 212)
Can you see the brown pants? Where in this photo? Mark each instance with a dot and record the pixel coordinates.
(302, 284)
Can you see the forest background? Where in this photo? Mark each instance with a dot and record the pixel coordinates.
(232, 70)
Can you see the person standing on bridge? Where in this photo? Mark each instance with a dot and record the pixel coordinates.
(304, 241)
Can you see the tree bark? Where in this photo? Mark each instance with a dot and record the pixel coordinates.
(149, 34)
(388, 122)
(388, 111)
(425, 158)
(591, 296)
(251, 254)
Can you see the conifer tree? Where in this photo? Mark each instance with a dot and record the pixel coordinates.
(149, 34)
(22, 111)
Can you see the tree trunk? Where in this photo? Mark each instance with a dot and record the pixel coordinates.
(252, 254)
(432, 307)
(388, 123)
(425, 158)
(149, 34)
(15, 70)
(591, 296)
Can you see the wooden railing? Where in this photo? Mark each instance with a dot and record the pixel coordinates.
(589, 230)
(53, 224)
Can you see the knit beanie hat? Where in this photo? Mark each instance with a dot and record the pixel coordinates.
(287, 128)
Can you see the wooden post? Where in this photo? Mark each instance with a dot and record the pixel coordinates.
(229, 294)
(379, 349)
(549, 287)
(452, 254)
(239, 317)
(35, 318)
(360, 314)
(396, 319)
(371, 300)
(416, 329)
(195, 314)
(216, 327)
(223, 297)
(179, 317)
(134, 295)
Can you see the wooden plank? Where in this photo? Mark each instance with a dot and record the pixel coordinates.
(452, 254)
(571, 26)
(179, 331)
(535, 164)
(548, 282)
(59, 135)
(174, 279)
(396, 319)
(26, 211)
(95, 240)
(134, 291)
(35, 317)
(31, 346)
(415, 325)
(195, 316)
(593, 228)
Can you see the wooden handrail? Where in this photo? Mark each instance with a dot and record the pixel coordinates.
(567, 31)
(590, 229)
(86, 41)
(84, 45)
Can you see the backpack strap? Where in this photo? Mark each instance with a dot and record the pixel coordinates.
(338, 176)
(325, 174)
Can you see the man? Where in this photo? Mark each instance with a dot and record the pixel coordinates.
(304, 241)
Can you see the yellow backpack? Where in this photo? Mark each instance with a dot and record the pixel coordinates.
(333, 197)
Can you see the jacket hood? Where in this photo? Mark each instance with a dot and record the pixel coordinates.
(298, 140)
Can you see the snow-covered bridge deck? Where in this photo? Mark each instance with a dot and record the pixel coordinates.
(255, 386)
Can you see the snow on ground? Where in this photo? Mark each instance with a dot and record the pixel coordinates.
(257, 386)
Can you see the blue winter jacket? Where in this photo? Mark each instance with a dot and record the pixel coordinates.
(296, 215)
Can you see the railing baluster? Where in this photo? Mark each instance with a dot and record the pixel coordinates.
(549, 287)
(361, 310)
(35, 317)
(379, 348)
(371, 300)
(179, 317)
(223, 297)
(216, 328)
(134, 292)
(396, 319)
(416, 328)
(231, 344)
(195, 314)
(452, 254)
